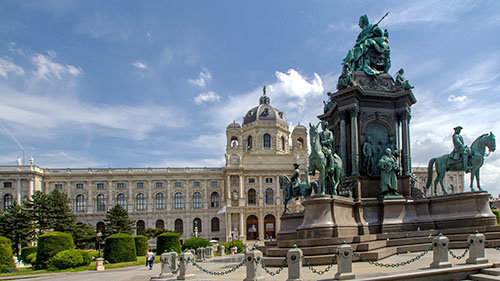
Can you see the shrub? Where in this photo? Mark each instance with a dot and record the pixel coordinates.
(141, 245)
(67, 259)
(168, 241)
(234, 243)
(49, 244)
(26, 251)
(31, 258)
(87, 257)
(6, 260)
(94, 254)
(119, 247)
(497, 214)
(195, 243)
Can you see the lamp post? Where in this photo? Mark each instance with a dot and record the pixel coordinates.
(99, 234)
(99, 265)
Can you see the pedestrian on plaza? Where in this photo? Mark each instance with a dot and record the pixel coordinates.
(147, 263)
(150, 257)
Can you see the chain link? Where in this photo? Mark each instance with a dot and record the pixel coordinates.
(319, 272)
(266, 269)
(218, 273)
(170, 266)
(462, 255)
(393, 265)
(491, 246)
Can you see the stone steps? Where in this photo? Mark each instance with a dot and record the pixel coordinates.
(483, 277)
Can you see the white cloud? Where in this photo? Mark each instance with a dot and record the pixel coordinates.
(7, 66)
(208, 97)
(204, 77)
(47, 68)
(139, 65)
(454, 98)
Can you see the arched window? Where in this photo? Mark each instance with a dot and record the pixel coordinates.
(81, 204)
(214, 200)
(7, 201)
(283, 143)
(179, 201)
(197, 222)
(252, 197)
(196, 200)
(160, 224)
(249, 143)
(267, 141)
(215, 225)
(100, 203)
(179, 226)
(300, 143)
(120, 200)
(141, 226)
(101, 227)
(234, 141)
(160, 201)
(141, 201)
(269, 196)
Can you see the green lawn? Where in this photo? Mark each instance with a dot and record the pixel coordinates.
(24, 271)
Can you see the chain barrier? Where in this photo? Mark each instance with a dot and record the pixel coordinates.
(491, 246)
(266, 269)
(393, 265)
(319, 272)
(170, 266)
(217, 273)
(462, 255)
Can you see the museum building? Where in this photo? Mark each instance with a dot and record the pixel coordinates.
(242, 200)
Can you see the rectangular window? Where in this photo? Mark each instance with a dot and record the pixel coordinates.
(7, 184)
(140, 185)
(58, 186)
(159, 184)
(251, 180)
(100, 186)
(196, 184)
(120, 185)
(269, 180)
(79, 186)
(178, 184)
(214, 184)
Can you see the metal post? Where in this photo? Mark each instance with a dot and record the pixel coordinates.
(99, 261)
(254, 269)
(185, 270)
(344, 262)
(476, 251)
(294, 261)
(440, 252)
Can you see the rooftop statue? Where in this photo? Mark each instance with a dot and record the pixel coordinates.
(401, 82)
(461, 159)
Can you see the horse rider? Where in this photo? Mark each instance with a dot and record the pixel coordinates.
(326, 140)
(295, 179)
(460, 149)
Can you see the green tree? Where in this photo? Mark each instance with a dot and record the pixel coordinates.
(84, 236)
(40, 211)
(61, 217)
(17, 225)
(117, 221)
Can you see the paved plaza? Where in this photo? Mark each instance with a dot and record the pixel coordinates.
(363, 270)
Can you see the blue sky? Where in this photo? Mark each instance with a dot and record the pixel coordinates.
(154, 84)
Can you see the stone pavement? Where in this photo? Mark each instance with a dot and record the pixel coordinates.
(363, 270)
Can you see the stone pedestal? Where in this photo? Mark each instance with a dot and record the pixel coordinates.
(344, 263)
(440, 252)
(185, 269)
(476, 252)
(294, 262)
(99, 264)
(398, 215)
(289, 225)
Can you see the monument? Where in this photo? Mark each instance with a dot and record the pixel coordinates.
(364, 154)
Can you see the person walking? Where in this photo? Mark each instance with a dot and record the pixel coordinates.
(150, 257)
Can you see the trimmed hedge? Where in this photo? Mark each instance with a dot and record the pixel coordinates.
(49, 244)
(94, 254)
(67, 259)
(119, 247)
(195, 243)
(168, 241)
(87, 257)
(26, 251)
(31, 258)
(6, 259)
(141, 245)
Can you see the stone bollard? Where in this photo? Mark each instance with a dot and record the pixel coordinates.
(200, 254)
(165, 259)
(254, 269)
(192, 252)
(207, 253)
(173, 260)
(476, 251)
(440, 255)
(222, 250)
(185, 270)
(245, 248)
(344, 262)
(99, 264)
(294, 261)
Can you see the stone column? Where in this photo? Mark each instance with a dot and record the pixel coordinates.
(242, 195)
(242, 230)
(131, 197)
(260, 200)
(150, 197)
(294, 261)
(261, 233)
(406, 157)
(476, 252)
(353, 112)
(228, 190)
(110, 199)
(279, 192)
(343, 141)
(440, 252)
(90, 199)
(344, 262)
(18, 189)
(185, 270)
(254, 269)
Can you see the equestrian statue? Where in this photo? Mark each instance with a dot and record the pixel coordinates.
(462, 158)
(293, 187)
